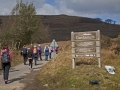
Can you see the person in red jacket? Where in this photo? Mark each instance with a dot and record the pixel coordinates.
(35, 53)
(6, 65)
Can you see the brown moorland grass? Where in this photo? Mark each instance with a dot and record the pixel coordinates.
(59, 75)
(17, 58)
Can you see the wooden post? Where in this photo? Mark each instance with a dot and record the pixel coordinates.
(99, 58)
(73, 63)
(99, 62)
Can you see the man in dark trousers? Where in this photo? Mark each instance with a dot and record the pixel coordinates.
(24, 53)
(40, 51)
(35, 54)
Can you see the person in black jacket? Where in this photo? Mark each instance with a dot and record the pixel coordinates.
(30, 58)
(24, 52)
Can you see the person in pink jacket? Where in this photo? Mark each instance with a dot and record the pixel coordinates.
(6, 66)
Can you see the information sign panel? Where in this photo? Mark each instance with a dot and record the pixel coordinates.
(84, 43)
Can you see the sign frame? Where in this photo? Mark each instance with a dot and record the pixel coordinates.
(86, 44)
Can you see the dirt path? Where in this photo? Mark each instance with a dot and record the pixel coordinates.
(19, 75)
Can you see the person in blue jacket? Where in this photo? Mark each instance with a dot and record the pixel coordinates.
(24, 52)
(46, 52)
(40, 51)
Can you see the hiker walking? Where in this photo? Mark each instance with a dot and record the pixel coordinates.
(35, 54)
(24, 54)
(46, 52)
(56, 49)
(30, 58)
(40, 51)
(6, 58)
(50, 52)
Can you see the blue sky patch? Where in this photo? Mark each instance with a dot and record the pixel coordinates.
(51, 2)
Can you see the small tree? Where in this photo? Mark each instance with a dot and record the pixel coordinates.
(109, 21)
(114, 22)
(99, 19)
(5, 34)
(26, 22)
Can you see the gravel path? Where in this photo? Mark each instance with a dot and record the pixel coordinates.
(18, 76)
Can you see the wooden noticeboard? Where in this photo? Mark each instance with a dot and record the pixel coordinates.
(86, 44)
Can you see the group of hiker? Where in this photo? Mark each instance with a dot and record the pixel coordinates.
(35, 53)
(32, 53)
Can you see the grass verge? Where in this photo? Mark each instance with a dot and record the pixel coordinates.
(59, 75)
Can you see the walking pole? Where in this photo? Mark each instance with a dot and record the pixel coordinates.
(54, 50)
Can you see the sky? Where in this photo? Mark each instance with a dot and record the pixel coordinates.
(104, 9)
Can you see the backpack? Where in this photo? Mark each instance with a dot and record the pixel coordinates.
(35, 55)
(30, 55)
(5, 57)
(51, 49)
(24, 50)
(40, 49)
(46, 49)
(34, 50)
(56, 48)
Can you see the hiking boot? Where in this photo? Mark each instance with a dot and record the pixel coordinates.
(5, 82)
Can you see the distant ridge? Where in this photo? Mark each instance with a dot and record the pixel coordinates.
(60, 26)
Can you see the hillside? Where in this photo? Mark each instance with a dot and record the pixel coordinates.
(60, 26)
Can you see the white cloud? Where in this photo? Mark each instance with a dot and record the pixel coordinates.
(92, 6)
(47, 9)
(68, 6)
(85, 8)
(6, 7)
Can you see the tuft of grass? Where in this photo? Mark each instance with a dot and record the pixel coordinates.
(16, 58)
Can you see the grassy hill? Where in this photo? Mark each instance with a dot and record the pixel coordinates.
(61, 26)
